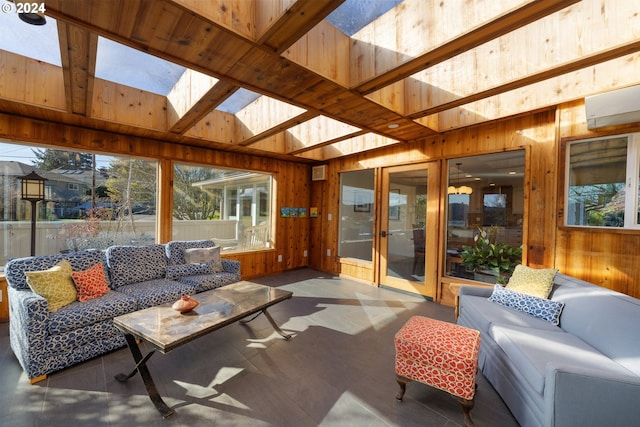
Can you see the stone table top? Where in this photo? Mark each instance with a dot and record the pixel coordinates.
(166, 328)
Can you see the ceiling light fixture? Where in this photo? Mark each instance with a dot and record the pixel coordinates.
(30, 12)
(393, 126)
(463, 189)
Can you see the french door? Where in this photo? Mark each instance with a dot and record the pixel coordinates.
(408, 229)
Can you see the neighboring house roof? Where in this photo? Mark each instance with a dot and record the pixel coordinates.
(15, 169)
(80, 176)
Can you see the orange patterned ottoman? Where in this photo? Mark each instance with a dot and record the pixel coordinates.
(440, 354)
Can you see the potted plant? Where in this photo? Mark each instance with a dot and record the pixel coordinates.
(489, 257)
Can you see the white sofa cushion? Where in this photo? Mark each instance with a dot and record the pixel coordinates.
(530, 350)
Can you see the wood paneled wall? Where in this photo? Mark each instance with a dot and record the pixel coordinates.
(609, 258)
(292, 181)
(605, 257)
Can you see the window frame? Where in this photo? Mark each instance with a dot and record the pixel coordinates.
(243, 192)
(631, 181)
(363, 208)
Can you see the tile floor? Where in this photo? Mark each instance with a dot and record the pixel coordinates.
(336, 371)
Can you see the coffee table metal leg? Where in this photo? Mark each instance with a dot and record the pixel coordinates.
(273, 323)
(141, 367)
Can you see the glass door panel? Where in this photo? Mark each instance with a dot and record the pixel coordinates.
(408, 234)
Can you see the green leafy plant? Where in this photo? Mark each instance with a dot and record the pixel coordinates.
(489, 255)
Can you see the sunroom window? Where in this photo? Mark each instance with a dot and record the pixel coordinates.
(91, 201)
(232, 207)
(602, 182)
(356, 214)
(485, 196)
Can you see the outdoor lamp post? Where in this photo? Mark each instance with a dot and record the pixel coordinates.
(33, 191)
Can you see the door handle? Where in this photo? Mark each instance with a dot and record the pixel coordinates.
(383, 234)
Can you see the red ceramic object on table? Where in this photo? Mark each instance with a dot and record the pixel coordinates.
(185, 304)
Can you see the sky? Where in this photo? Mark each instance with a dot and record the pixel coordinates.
(18, 153)
(24, 154)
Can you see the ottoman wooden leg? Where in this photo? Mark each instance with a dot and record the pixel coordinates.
(402, 382)
(467, 406)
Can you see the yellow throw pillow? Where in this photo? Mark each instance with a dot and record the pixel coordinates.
(55, 285)
(532, 281)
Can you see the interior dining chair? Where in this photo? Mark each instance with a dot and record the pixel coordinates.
(418, 248)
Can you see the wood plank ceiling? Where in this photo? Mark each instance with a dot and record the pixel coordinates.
(426, 66)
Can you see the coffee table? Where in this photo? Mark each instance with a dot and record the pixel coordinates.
(166, 329)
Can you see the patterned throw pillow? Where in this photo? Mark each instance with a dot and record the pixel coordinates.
(200, 255)
(178, 271)
(544, 309)
(532, 281)
(55, 285)
(90, 283)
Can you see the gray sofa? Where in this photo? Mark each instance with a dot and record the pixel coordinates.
(138, 277)
(584, 372)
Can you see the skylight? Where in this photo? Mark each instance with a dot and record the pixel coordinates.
(236, 102)
(39, 42)
(115, 62)
(121, 64)
(354, 15)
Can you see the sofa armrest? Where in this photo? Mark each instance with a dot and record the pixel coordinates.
(477, 291)
(231, 266)
(590, 396)
(29, 315)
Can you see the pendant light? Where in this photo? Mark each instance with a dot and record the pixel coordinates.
(463, 189)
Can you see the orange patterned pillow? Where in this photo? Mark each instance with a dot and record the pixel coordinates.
(91, 283)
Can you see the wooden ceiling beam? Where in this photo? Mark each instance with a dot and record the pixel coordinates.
(264, 113)
(213, 97)
(617, 73)
(352, 145)
(78, 52)
(469, 39)
(281, 127)
(244, 46)
(201, 45)
(578, 38)
(235, 15)
(539, 76)
(295, 22)
(318, 145)
(318, 130)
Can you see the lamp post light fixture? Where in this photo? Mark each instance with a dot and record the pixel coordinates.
(32, 190)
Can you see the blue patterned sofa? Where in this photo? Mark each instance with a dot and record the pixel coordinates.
(45, 341)
(230, 270)
(585, 371)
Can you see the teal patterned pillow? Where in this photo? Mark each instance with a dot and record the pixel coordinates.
(544, 309)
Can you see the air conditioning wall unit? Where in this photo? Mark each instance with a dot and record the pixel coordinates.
(617, 107)
(319, 173)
